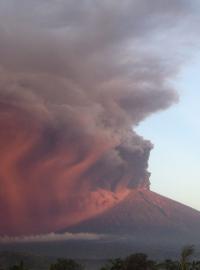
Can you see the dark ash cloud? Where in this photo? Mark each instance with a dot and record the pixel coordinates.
(76, 77)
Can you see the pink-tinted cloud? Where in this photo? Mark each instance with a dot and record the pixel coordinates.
(74, 81)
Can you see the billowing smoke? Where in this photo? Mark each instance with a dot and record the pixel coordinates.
(76, 77)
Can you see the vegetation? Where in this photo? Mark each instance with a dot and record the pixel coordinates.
(66, 264)
(19, 266)
(138, 261)
(186, 253)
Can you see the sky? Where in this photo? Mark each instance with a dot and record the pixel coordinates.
(175, 133)
(77, 79)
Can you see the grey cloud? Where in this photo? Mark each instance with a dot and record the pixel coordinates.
(50, 237)
(76, 77)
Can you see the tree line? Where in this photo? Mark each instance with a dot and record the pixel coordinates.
(137, 261)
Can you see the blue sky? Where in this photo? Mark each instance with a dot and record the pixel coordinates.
(175, 133)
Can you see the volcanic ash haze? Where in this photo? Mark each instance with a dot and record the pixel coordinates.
(76, 77)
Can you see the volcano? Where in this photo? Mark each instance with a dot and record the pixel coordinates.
(145, 215)
(141, 221)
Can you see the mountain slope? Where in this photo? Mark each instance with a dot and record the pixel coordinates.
(145, 214)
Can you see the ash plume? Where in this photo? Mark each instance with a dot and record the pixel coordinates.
(76, 77)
